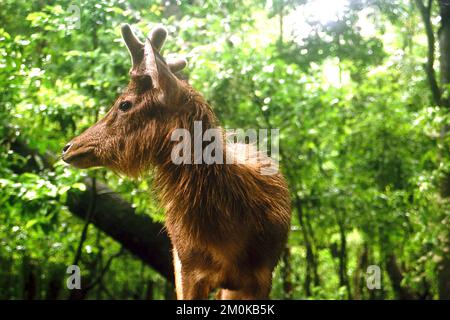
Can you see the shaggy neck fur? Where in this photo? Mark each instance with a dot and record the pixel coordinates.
(209, 201)
(192, 181)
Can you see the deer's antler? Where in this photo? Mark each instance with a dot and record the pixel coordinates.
(143, 54)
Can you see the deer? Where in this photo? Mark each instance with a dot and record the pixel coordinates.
(228, 223)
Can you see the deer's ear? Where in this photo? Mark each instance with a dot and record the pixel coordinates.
(176, 65)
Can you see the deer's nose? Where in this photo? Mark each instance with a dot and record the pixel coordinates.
(66, 147)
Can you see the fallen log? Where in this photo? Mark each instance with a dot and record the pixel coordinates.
(138, 233)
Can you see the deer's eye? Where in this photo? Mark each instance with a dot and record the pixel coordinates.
(125, 106)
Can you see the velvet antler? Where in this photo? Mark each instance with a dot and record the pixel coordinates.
(143, 55)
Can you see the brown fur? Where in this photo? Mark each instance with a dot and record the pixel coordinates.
(228, 223)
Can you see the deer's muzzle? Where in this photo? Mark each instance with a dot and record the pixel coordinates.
(79, 155)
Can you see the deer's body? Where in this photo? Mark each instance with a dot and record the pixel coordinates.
(228, 223)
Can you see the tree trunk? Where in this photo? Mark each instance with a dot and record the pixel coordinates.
(343, 276)
(358, 276)
(30, 287)
(311, 265)
(443, 101)
(286, 273)
(444, 45)
(396, 277)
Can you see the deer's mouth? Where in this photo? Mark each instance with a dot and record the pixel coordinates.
(81, 158)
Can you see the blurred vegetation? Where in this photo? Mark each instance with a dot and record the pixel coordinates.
(360, 132)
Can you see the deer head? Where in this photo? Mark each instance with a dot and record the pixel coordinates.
(131, 136)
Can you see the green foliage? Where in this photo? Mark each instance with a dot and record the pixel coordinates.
(359, 137)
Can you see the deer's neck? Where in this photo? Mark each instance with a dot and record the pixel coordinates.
(184, 187)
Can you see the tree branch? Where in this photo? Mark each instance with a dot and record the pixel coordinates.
(86, 223)
(425, 12)
(105, 269)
